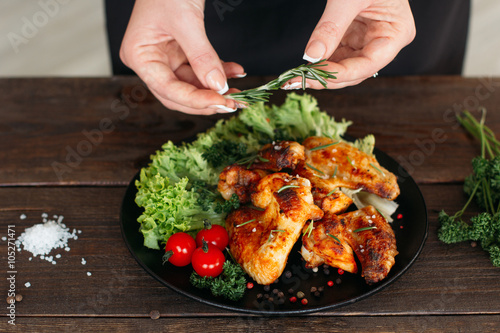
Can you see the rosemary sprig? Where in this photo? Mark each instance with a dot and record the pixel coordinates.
(365, 228)
(323, 146)
(378, 169)
(315, 169)
(242, 224)
(271, 234)
(334, 172)
(332, 191)
(287, 186)
(306, 71)
(336, 239)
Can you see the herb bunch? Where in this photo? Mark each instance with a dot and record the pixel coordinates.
(307, 71)
(483, 187)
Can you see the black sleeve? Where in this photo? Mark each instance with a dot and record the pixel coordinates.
(269, 36)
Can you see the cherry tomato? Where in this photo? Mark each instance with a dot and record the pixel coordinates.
(179, 249)
(208, 260)
(213, 234)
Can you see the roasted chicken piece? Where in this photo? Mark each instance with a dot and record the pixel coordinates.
(260, 241)
(367, 233)
(340, 164)
(281, 155)
(238, 179)
(326, 244)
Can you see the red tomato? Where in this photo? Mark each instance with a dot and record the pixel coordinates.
(208, 260)
(179, 249)
(213, 234)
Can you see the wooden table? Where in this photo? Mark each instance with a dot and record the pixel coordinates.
(70, 147)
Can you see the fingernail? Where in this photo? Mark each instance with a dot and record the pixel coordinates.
(294, 85)
(240, 105)
(239, 76)
(315, 52)
(222, 108)
(217, 82)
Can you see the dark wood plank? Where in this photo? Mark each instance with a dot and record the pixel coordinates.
(100, 131)
(483, 324)
(446, 279)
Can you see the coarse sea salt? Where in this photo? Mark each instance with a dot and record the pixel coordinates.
(42, 238)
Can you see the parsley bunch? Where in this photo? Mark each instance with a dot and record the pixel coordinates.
(482, 186)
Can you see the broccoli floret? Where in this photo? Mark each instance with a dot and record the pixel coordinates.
(230, 284)
(224, 152)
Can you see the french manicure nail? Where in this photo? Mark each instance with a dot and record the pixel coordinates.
(217, 82)
(315, 52)
(239, 76)
(222, 108)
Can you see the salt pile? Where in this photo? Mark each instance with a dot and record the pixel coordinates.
(42, 238)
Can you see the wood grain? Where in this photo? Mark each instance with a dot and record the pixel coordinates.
(446, 279)
(100, 131)
(403, 324)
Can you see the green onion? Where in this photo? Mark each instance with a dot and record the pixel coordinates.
(365, 228)
(309, 229)
(375, 167)
(323, 146)
(315, 169)
(242, 224)
(334, 237)
(287, 186)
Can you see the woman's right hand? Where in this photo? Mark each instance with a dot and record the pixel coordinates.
(167, 46)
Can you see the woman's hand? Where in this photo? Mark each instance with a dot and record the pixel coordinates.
(166, 45)
(358, 38)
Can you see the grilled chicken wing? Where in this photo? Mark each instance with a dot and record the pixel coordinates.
(342, 165)
(375, 248)
(262, 246)
(326, 244)
(238, 179)
(278, 156)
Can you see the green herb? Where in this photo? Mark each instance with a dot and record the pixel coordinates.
(224, 152)
(242, 224)
(349, 160)
(365, 228)
(309, 229)
(483, 187)
(378, 169)
(315, 169)
(287, 187)
(271, 233)
(332, 191)
(336, 239)
(231, 284)
(334, 172)
(323, 146)
(262, 94)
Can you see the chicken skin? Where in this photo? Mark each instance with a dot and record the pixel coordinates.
(366, 232)
(260, 241)
(278, 156)
(238, 179)
(340, 164)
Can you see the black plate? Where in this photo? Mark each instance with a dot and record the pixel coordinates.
(410, 230)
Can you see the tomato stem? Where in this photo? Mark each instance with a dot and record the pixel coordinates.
(207, 224)
(167, 256)
(204, 247)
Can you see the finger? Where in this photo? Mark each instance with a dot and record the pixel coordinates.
(189, 32)
(162, 80)
(182, 108)
(333, 24)
(233, 70)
